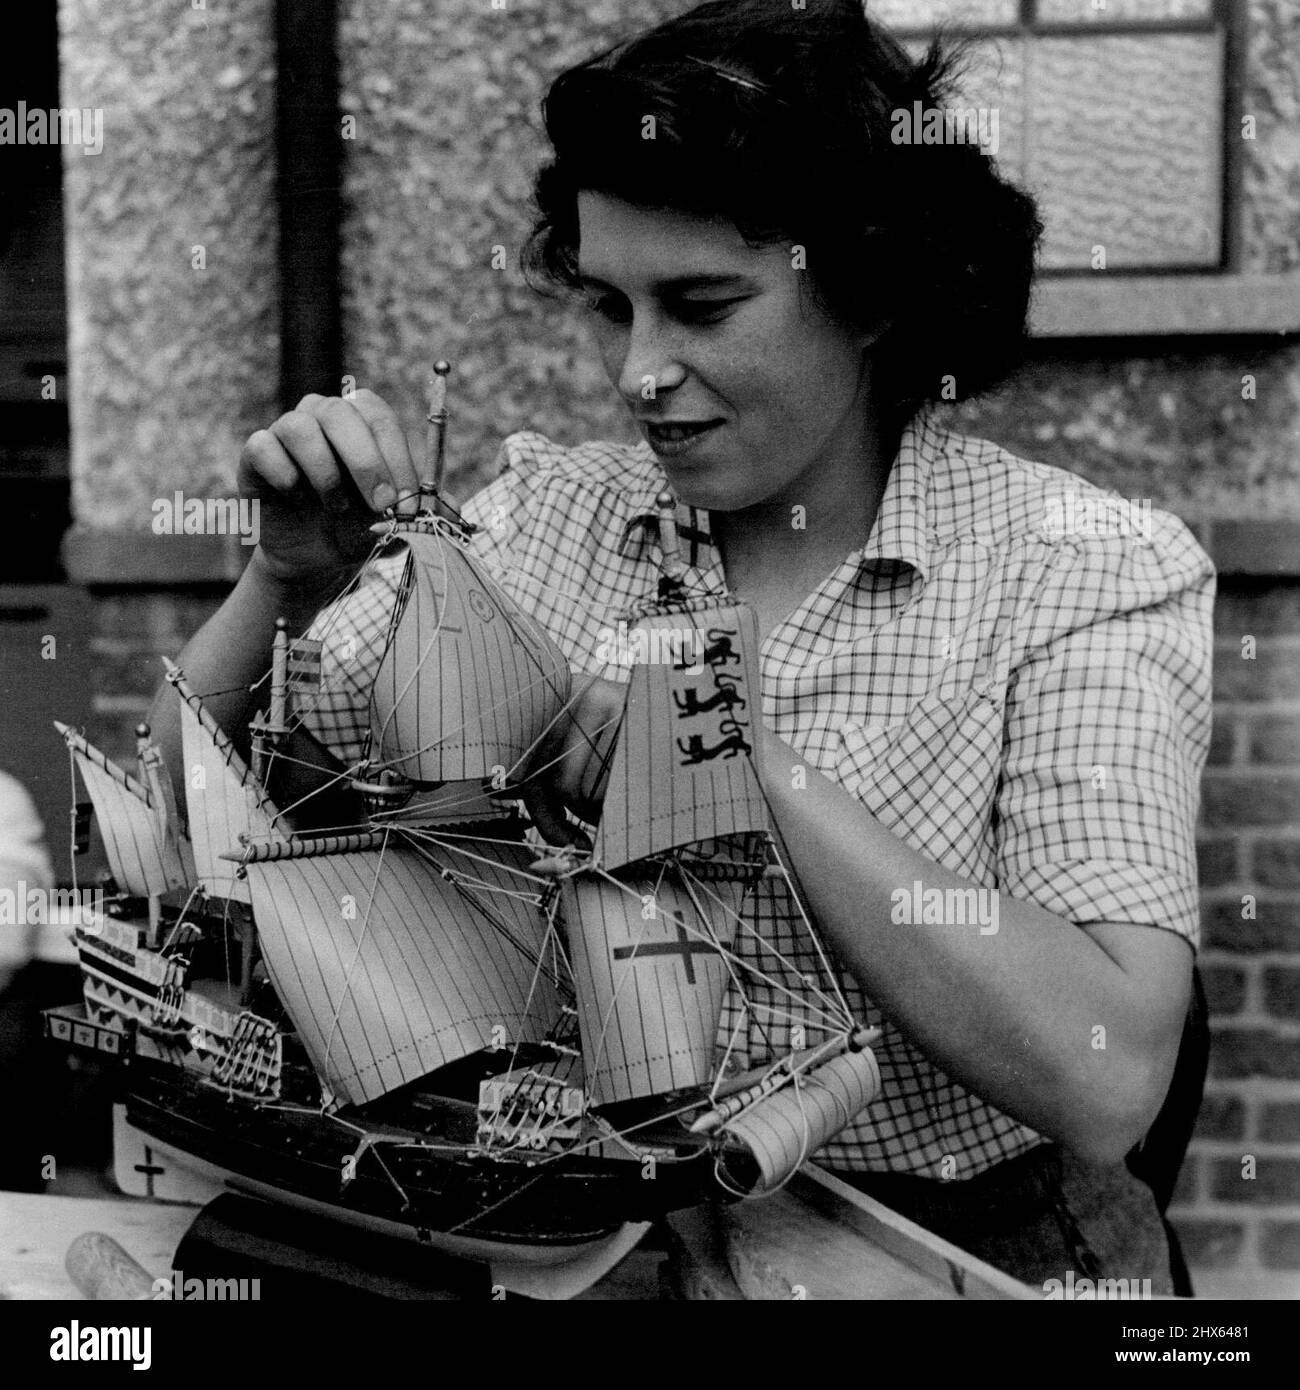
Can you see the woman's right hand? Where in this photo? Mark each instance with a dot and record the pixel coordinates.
(320, 476)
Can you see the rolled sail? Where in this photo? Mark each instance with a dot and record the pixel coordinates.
(224, 803)
(144, 859)
(390, 971)
(468, 682)
(650, 978)
(682, 770)
(784, 1129)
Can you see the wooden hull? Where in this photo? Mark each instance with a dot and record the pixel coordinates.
(425, 1175)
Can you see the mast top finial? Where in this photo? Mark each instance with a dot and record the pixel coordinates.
(281, 625)
(671, 566)
(142, 730)
(436, 436)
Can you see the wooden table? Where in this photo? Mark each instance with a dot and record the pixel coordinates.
(35, 1233)
(816, 1240)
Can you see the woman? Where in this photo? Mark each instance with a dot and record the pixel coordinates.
(959, 694)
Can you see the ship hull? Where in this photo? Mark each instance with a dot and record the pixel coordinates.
(453, 1197)
(414, 1164)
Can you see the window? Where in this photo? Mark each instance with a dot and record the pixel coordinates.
(1122, 117)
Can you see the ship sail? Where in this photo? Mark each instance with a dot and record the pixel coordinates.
(468, 682)
(650, 976)
(144, 858)
(681, 771)
(224, 801)
(782, 1130)
(391, 965)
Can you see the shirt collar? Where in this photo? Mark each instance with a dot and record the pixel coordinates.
(898, 533)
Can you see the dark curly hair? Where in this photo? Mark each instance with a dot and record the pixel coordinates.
(780, 120)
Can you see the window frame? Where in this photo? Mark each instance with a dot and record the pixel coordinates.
(1217, 299)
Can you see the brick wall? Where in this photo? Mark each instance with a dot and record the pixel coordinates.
(1237, 1207)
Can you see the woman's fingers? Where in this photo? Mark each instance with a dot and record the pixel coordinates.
(327, 467)
(265, 460)
(349, 436)
(571, 767)
(304, 441)
(344, 443)
(391, 440)
(547, 814)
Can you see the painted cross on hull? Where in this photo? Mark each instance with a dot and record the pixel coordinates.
(683, 946)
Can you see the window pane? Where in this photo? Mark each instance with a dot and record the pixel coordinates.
(921, 14)
(1126, 148)
(1120, 11)
(994, 81)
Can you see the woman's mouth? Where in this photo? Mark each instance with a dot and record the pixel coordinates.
(672, 438)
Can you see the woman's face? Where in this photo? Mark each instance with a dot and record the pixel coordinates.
(746, 390)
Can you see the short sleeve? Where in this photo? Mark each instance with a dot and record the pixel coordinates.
(1107, 730)
(353, 630)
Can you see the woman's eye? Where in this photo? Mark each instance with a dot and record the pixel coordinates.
(705, 310)
(609, 307)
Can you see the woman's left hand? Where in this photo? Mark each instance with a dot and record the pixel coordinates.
(569, 769)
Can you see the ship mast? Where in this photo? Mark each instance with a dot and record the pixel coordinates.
(672, 567)
(268, 731)
(164, 804)
(435, 439)
(435, 449)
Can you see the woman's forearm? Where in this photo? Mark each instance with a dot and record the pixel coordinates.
(1006, 1002)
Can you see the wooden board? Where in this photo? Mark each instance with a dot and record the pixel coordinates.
(946, 1268)
(778, 1249)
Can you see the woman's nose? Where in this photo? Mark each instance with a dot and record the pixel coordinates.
(650, 364)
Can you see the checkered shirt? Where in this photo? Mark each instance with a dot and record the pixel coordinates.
(1010, 678)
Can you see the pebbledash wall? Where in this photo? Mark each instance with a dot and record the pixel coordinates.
(174, 360)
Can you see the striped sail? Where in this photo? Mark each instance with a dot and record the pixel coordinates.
(682, 770)
(390, 971)
(469, 681)
(224, 803)
(650, 987)
(144, 859)
(784, 1129)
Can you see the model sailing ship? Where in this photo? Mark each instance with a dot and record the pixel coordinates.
(428, 1018)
